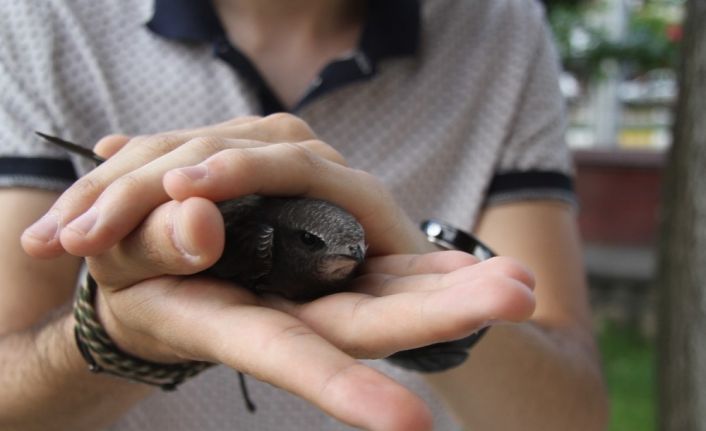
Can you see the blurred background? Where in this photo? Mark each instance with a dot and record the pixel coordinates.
(619, 59)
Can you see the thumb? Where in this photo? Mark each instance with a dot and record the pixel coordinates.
(177, 238)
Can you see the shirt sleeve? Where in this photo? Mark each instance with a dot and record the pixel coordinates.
(535, 162)
(25, 161)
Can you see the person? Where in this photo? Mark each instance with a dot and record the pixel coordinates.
(397, 111)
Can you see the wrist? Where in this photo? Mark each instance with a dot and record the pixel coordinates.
(131, 341)
(103, 355)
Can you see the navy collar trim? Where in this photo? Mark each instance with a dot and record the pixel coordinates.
(392, 27)
(185, 20)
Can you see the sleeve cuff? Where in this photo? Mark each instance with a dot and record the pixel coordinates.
(36, 172)
(530, 185)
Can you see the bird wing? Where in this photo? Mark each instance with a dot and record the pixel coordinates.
(247, 255)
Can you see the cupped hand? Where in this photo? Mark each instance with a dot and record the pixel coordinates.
(398, 302)
(107, 203)
(310, 349)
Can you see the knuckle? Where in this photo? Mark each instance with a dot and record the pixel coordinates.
(291, 126)
(85, 187)
(126, 187)
(155, 145)
(235, 158)
(367, 180)
(304, 157)
(282, 118)
(353, 339)
(236, 121)
(238, 161)
(161, 144)
(286, 335)
(150, 250)
(82, 193)
(324, 150)
(206, 144)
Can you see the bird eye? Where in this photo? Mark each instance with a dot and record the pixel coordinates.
(310, 240)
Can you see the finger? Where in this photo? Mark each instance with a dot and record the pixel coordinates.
(110, 145)
(452, 306)
(83, 193)
(392, 272)
(410, 264)
(177, 238)
(292, 170)
(117, 211)
(272, 347)
(275, 128)
(210, 129)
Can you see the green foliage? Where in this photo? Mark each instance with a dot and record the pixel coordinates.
(629, 362)
(651, 40)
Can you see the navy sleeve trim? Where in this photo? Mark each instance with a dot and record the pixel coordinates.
(531, 185)
(511, 181)
(57, 169)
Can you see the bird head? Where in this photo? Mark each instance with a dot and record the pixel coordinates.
(318, 243)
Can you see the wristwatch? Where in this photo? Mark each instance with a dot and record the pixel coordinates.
(451, 238)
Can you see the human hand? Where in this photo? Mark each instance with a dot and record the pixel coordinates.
(398, 302)
(43, 239)
(137, 243)
(309, 349)
(137, 165)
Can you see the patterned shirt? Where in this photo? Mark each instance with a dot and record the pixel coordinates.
(454, 105)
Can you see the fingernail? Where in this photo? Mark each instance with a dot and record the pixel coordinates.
(182, 241)
(45, 229)
(193, 173)
(85, 222)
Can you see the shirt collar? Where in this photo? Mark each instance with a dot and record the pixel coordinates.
(185, 20)
(392, 27)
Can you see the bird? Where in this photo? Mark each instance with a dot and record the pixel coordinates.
(298, 247)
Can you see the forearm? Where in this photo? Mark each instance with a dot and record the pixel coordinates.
(544, 374)
(46, 384)
(528, 377)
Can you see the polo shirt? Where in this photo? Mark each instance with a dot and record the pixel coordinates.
(454, 105)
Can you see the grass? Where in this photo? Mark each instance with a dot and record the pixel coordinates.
(629, 362)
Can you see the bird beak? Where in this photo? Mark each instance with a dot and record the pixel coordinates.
(342, 263)
(358, 252)
(350, 252)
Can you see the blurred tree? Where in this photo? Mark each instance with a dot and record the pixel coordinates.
(682, 273)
